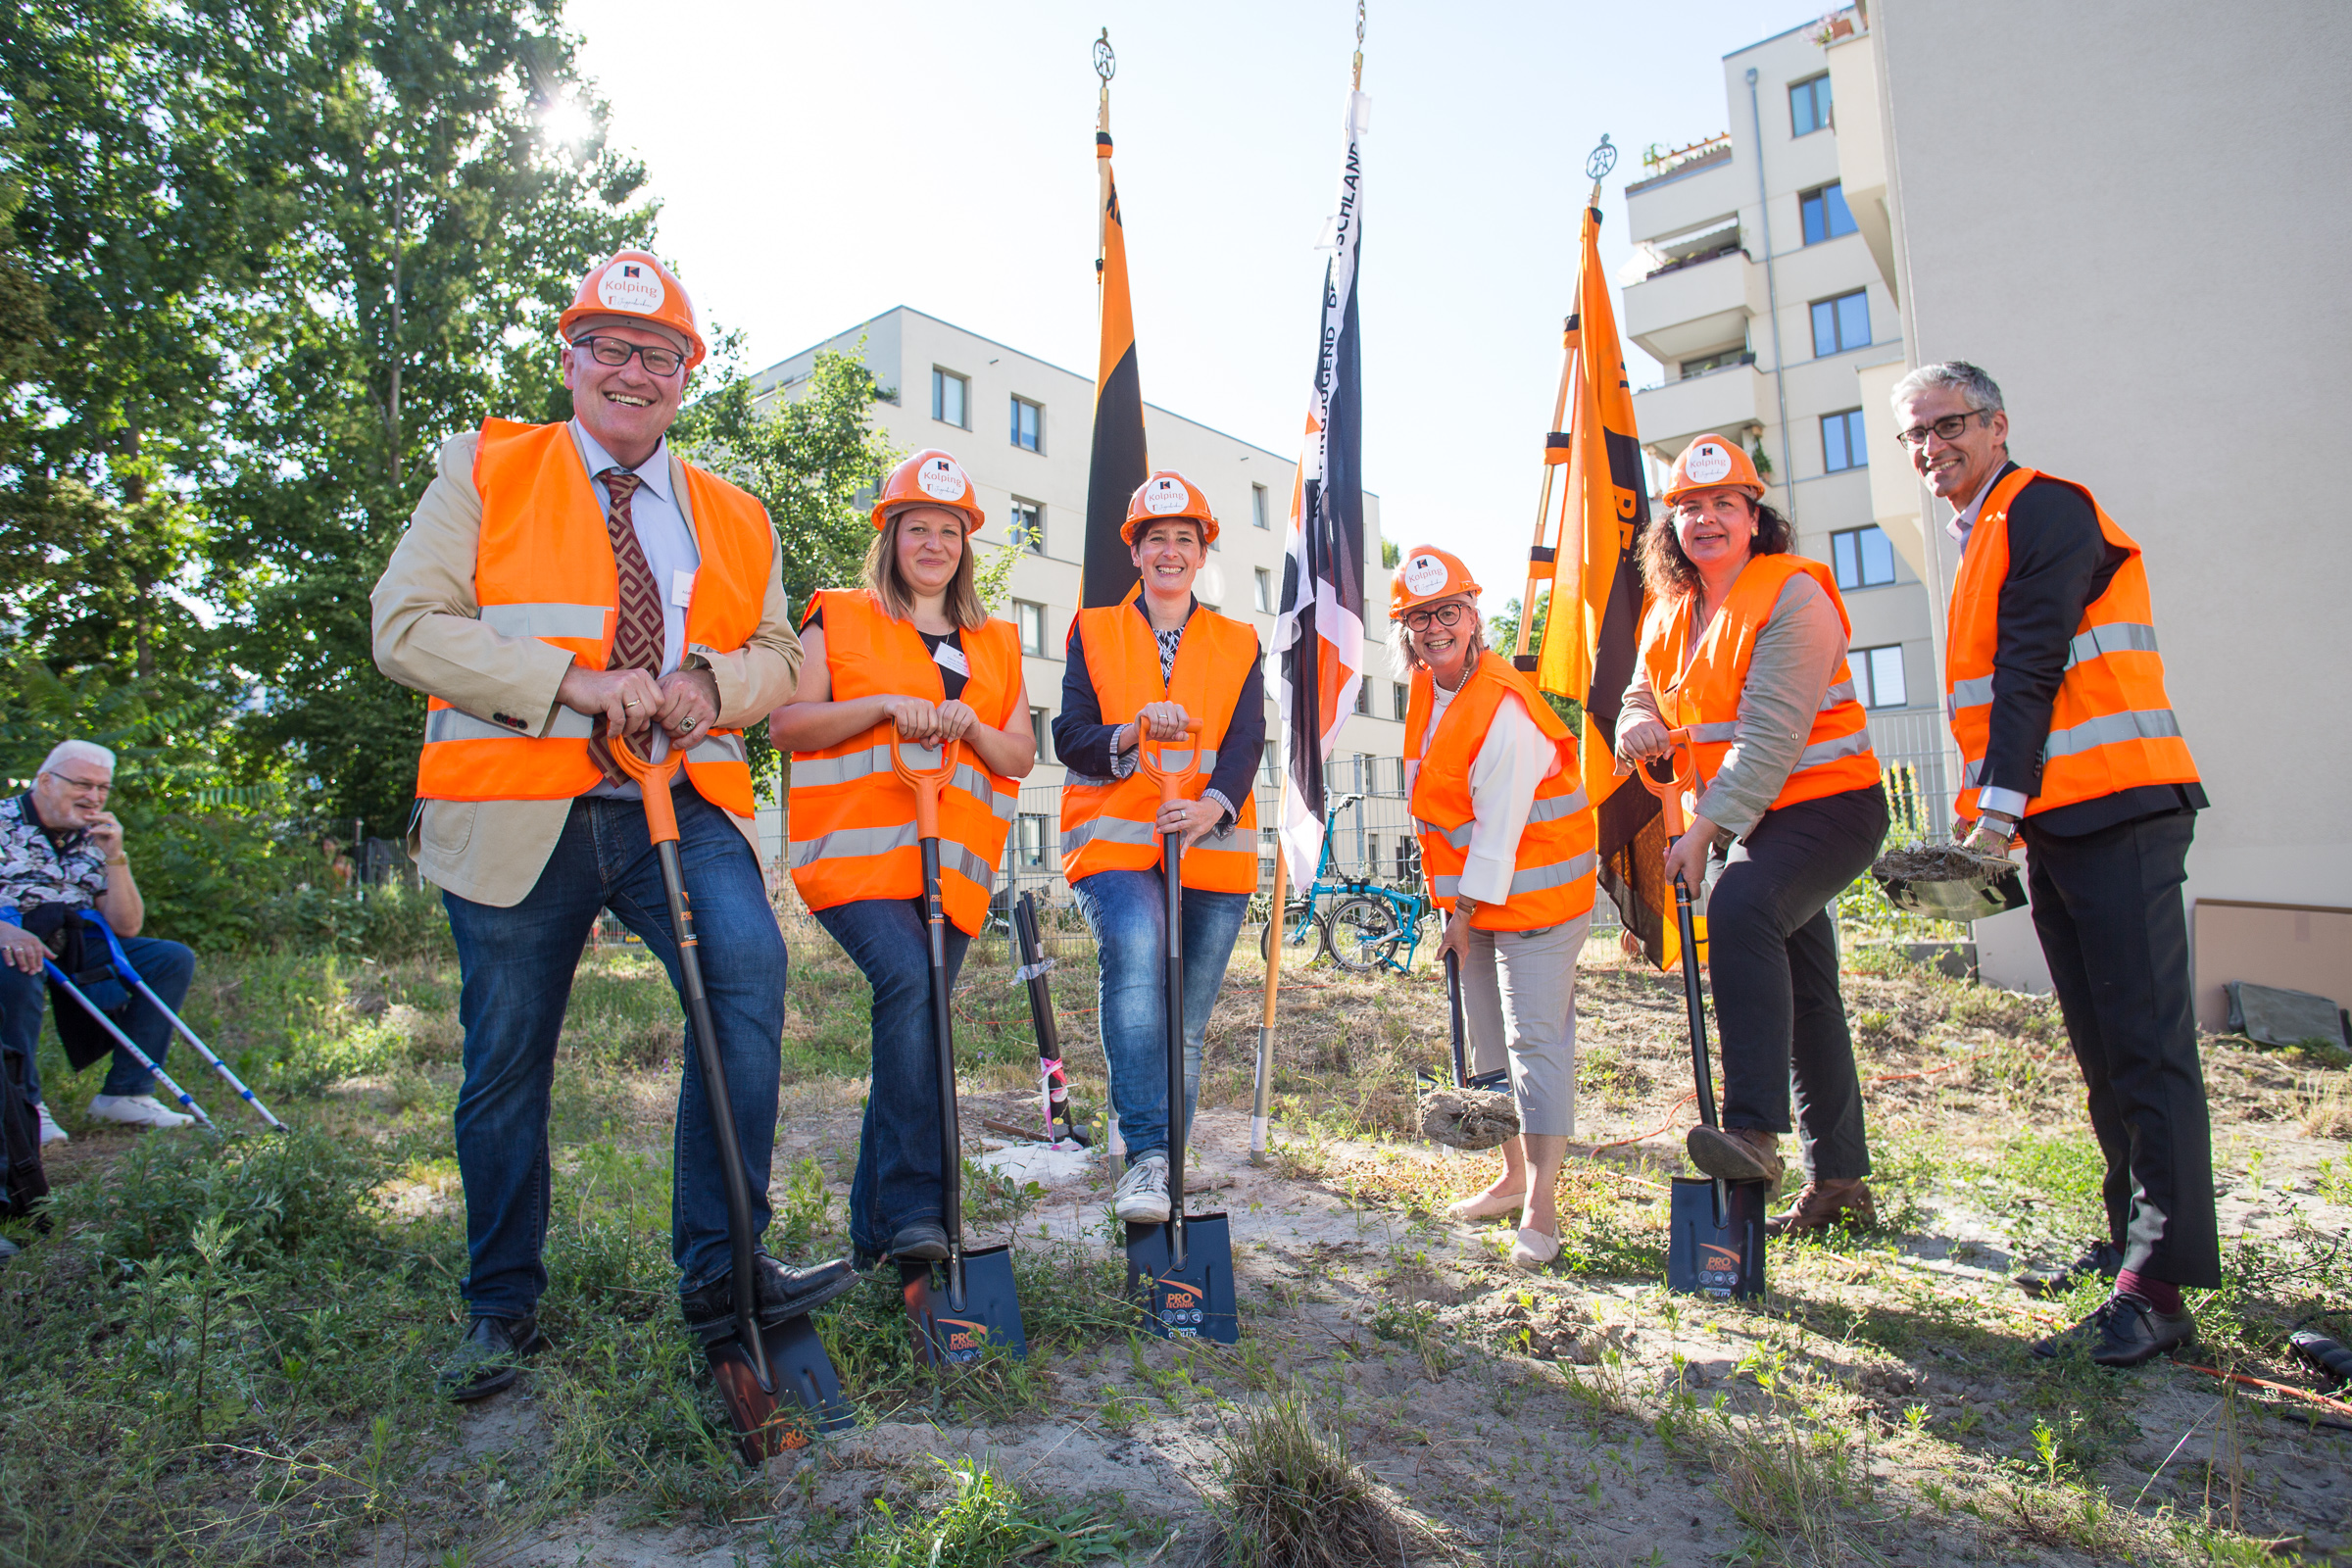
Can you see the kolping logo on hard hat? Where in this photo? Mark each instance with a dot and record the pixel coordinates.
(1708, 464)
(942, 480)
(633, 288)
(1424, 575)
(1163, 497)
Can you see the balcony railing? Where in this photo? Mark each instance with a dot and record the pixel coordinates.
(1658, 162)
(1679, 263)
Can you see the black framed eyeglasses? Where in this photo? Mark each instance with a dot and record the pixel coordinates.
(614, 352)
(1448, 615)
(1947, 428)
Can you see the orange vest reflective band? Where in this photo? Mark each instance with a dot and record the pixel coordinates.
(1705, 697)
(1552, 880)
(852, 820)
(2110, 725)
(543, 569)
(1107, 823)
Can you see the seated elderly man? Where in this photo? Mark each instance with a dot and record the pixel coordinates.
(61, 850)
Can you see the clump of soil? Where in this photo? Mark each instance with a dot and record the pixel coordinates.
(1940, 862)
(1469, 1118)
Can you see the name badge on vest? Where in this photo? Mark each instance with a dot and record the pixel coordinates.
(950, 657)
(681, 589)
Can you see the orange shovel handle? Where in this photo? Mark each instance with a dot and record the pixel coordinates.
(1171, 780)
(653, 780)
(1670, 792)
(926, 782)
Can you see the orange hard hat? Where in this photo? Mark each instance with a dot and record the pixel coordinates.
(1166, 496)
(929, 478)
(1428, 573)
(632, 285)
(1711, 462)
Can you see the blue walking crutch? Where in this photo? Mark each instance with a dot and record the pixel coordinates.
(121, 963)
(8, 917)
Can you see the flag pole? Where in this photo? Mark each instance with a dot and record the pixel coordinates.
(1262, 1098)
(1555, 453)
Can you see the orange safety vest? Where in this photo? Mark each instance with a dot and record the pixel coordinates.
(1107, 823)
(1705, 697)
(1552, 881)
(852, 820)
(2110, 725)
(543, 569)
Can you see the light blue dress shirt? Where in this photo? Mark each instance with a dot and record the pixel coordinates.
(669, 550)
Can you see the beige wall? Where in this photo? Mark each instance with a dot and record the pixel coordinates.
(2134, 219)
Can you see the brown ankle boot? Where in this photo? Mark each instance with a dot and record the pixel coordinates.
(1735, 1154)
(1824, 1204)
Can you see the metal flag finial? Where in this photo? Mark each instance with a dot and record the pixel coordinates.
(1107, 64)
(1604, 159)
(1360, 45)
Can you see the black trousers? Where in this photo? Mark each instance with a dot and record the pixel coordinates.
(2107, 908)
(1772, 954)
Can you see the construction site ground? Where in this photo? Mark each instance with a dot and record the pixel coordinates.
(223, 1352)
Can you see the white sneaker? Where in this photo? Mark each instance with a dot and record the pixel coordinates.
(51, 1132)
(136, 1110)
(1142, 1198)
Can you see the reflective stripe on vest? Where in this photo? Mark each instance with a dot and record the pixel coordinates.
(543, 569)
(1107, 823)
(1702, 692)
(2112, 725)
(851, 821)
(1554, 860)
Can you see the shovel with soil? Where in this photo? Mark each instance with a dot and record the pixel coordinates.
(1470, 1112)
(1945, 882)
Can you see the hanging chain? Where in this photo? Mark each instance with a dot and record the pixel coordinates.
(1360, 45)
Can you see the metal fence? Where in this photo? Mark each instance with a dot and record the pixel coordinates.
(1911, 746)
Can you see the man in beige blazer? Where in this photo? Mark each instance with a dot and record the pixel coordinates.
(558, 583)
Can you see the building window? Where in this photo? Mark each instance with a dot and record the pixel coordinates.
(1041, 725)
(948, 399)
(1824, 214)
(1031, 618)
(1035, 842)
(1863, 558)
(1841, 324)
(1029, 422)
(1028, 527)
(1714, 361)
(1266, 591)
(1841, 441)
(1879, 676)
(1809, 106)
(1257, 506)
(1363, 697)
(1400, 697)
(1270, 766)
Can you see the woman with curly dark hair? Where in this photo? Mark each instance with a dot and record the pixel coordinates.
(1744, 646)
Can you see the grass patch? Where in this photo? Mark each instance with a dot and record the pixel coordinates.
(1294, 1498)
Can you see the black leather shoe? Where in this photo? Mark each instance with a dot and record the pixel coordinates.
(922, 1242)
(2101, 1258)
(2124, 1330)
(784, 1293)
(489, 1357)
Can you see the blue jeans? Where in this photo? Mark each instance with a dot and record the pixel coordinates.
(165, 966)
(517, 966)
(1128, 914)
(899, 1147)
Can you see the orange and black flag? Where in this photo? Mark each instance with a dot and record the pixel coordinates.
(1118, 464)
(1590, 652)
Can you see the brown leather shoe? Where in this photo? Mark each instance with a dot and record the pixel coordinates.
(1824, 1204)
(1735, 1154)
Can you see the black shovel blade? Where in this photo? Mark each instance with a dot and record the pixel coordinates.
(1192, 1302)
(991, 1318)
(806, 1398)
(1715, 1244)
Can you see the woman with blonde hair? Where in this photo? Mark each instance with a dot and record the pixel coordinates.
(911, 654)
(1507, 845)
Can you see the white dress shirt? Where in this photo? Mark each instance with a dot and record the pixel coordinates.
(669, 550)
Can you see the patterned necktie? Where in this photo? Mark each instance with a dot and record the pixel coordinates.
(638, 637)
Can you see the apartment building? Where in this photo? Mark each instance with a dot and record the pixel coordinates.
(1021, 428)
(1753, 284)
(2129, 228)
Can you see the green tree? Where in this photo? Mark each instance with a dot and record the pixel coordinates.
(1502, 635)
(1392, 555)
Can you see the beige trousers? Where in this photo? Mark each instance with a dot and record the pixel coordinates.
(1519, 1010)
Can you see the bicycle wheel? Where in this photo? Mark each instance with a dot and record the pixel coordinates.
(1303, 939)
(1364, 930)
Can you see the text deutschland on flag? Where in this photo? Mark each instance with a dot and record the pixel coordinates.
(1590, 649)
(1319, 632)
(1117, 464)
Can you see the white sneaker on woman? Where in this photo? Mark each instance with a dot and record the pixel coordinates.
(136, 1110)
(1142, 1198)
(51, 1132)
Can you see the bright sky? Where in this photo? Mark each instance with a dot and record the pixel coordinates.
(820, 164)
